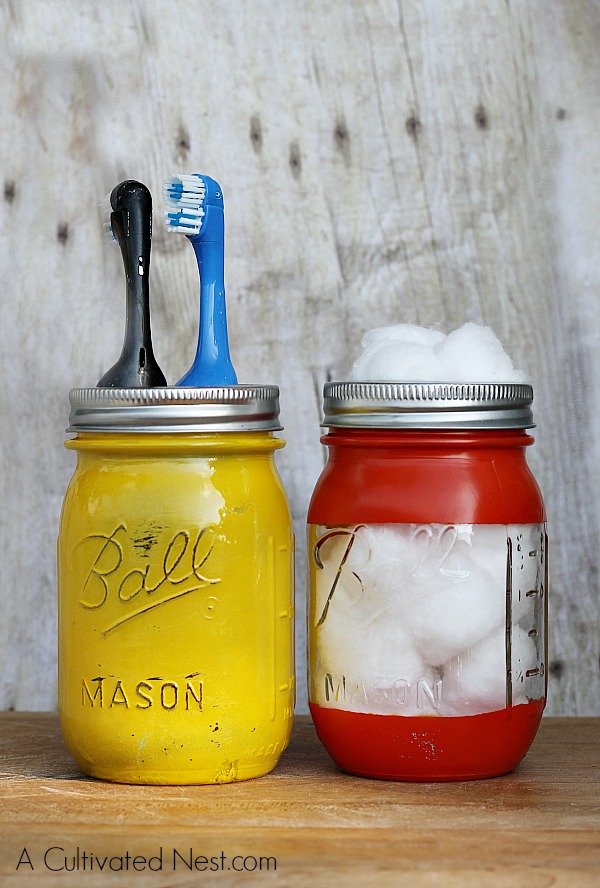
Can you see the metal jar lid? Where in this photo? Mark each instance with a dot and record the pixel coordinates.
(430, 405)
(237, 408)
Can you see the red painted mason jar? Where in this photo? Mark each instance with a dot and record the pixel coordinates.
(428, 581)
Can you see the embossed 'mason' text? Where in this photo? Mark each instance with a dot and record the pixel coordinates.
(116, 693)
(399, 692)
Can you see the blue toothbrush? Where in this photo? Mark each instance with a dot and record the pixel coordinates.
(196, 210)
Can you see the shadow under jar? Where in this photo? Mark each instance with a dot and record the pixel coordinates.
(427, 615)
(176, 586)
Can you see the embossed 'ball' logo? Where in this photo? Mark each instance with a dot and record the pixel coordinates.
(114, 575)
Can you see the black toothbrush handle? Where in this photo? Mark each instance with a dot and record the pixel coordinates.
(131, 222)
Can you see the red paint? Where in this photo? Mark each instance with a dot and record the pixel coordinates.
(427, 476)
(401, 747)
(413, 476)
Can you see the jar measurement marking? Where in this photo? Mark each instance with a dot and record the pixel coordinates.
(508, 620)
(274, 620)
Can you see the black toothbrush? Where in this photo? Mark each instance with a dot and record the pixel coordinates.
(131, 224)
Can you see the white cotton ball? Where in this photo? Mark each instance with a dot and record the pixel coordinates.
(404, 352)
(382, 363)
(474, 354)
(412, 602)
(488, 547)
(341, 603)
(474, 681)
(350, 648)
(334, 585)
(396, 678)
(362, 653)
(358, 570)
(375, 671)
(421, 579)
(404, 333)
(388, 654)
(335, 642)
(381, 559)
(367, 570)
(454, 608)
(408, 353)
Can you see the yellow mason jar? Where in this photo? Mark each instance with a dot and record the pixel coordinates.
(175, 581)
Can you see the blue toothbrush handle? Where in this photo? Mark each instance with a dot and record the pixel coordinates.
(212, 365)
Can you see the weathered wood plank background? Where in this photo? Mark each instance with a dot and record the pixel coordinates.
(382, 161)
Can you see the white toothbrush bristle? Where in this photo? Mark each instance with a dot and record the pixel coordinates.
(185, 194)
(184, 188)
(183, 222)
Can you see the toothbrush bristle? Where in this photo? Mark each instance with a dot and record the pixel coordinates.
(183, 222)
(186, 195)
(106, 210)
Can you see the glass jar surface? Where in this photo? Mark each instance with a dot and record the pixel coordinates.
(176, 607)
(427, 602)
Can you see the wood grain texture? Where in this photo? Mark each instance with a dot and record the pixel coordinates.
(537, 827)
(381, 160)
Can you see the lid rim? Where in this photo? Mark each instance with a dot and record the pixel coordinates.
(172, 409)
(434, 405)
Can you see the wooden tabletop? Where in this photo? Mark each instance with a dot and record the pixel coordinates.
(537, 827)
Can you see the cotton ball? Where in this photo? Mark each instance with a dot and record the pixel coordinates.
(474, 681)
(404, 352)
(454, 608)
(356, 570)
(408, 353)
(474, 354)
(341, 602)
(353, 590)
(396, 677)
(425, 580)
(335, 641)
(403, 333)
(335, 586)
(380, 560)
(416, 364)
(488, 547)
(389, 655)
(363, 658)
(373, 671)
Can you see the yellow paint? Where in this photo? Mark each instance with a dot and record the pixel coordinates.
(175, 565)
